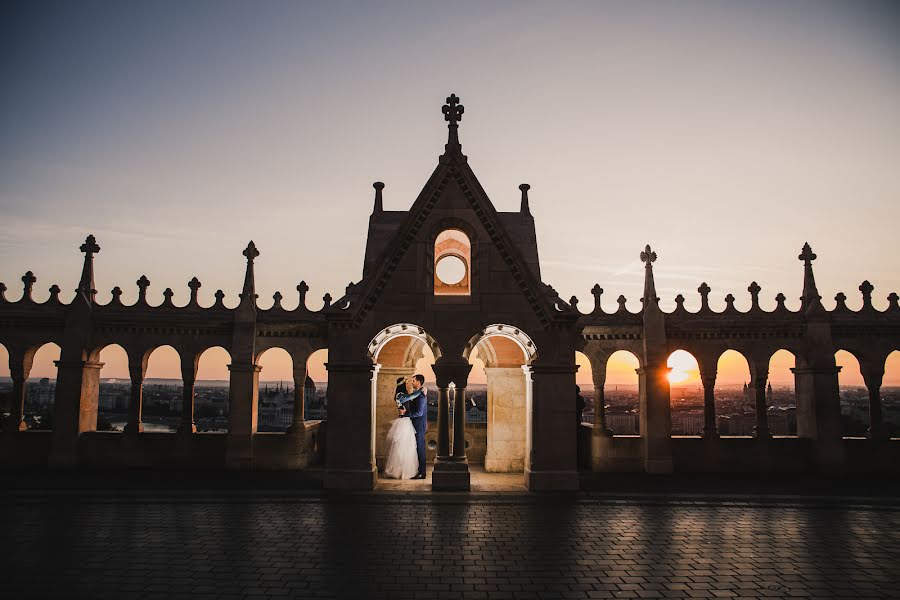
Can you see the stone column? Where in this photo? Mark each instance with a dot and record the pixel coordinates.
(708, 378)
(298, 423)
(350, 430)
(505, 420)
(599, 376)
(656, 416)
(443, 424)
(19, 369)
(243, 399)
(552, 460)
(75, 408)
(451, 473)
(873, 375)
(819, 412)
(188, 380)
(760, 378)
(137, 368)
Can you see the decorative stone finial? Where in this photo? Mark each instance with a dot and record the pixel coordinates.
(116, 296)
(729, 303)
(277, 298)
(248, 293)
(704, 296)
(28, 279)
(524, 208)
(621, 300)
(893, 299)
(167, 297)
(327, 300)
(54, 294)
(143, 283)
(754, 290)
(194, 284)
(597, 291)
(866, 288)
(302, 288)
(779, 300)
(810, 297)
(648, 257)
(379, 206)
(453, 112)
(220, 299)
(841, 301)
(573, 302)
(679, 303)
(86, 285)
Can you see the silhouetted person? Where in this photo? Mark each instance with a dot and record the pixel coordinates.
(579, 405)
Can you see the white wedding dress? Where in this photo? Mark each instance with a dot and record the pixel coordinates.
(402, 460)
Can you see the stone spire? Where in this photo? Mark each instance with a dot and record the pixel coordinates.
(453, 112)
(648, 256)
(249, 291)
(524, 209)
(86, 285)
(379, 206)
(810, 295)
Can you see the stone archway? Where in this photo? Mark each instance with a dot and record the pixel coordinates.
(506, 352)
(395, 350)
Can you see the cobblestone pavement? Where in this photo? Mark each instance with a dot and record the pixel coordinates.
(371, 546)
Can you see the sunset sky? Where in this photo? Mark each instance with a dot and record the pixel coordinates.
(724, 134)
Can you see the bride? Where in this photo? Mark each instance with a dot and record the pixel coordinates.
(402, 458)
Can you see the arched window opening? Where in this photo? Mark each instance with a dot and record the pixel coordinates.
(854, 396)
(781, 400)
(621, 393)
(211, 391)
(584, 382)
(452, 264)
(890, 395)
(115, 389)
(163, 393)
(316, 403)
(735, 396)
(40, 388)
(685, 393)
(275, 408)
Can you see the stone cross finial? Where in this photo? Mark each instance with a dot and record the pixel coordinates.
(28, 279)
(379, 207)
(807, 255)
(453, 112)
(86, 285)
(54, 293)
(866, 288)
(220, 298)
(621, 300)
(143, 283)
(194, 284)
(251, 252)
(679, 302)
(302, 288)
(573, 302)
(648, 256)
(167, 296)
(277, 298)
(524, 208)
(754, 290)
(779, 299)
(729, 302)
(704, 296)
(597, 291)
(327, 300)
(90, 245)
(893, 299)
(116, 295)
(248, 292)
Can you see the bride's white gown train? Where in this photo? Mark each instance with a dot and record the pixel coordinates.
(402, 460)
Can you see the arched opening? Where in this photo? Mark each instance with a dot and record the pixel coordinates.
(40, 388)
(275, 409)
(621, 393)
(735, 398)
(685, 393)
(890, 395)
(452, 264)
(115, 389)
(162, 397)
(781, 400)
(316, 393)
(854, 396)
(211, 389)
(584, 387)
(504, 353)
(6, 387)
(399, 353)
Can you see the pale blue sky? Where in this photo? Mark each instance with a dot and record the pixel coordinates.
(724, 134)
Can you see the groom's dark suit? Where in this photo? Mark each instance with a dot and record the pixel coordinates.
(417, 410)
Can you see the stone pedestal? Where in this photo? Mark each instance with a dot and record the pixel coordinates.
(243, 398)
(451, 475)
(819, 413)
(505, 420)
(75, 408)
(350, 448)
(551, 429)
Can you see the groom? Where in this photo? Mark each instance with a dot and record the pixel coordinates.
(416, 408)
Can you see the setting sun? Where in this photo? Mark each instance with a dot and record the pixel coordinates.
(684, 367)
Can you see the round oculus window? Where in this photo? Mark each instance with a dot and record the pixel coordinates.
(450, 270)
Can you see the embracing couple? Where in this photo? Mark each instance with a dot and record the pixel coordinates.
(406, 437)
